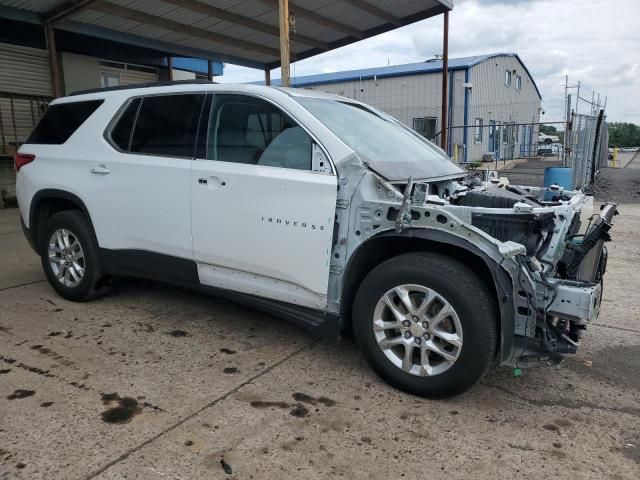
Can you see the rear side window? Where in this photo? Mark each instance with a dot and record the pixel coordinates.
(61, 121)
(121, 133)
(167, 125)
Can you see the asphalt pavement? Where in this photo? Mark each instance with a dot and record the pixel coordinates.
(157, 382)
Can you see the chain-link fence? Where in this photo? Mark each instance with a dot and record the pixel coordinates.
(494, 132)
(481, 125)
(586, 147)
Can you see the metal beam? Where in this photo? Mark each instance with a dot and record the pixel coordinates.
(20, 15)
(56, 82)
(153, 20)
(319, 19)
(157, 45)
(170, 67)
(226, 15)
(375, 11)
(445, 81)
(68, 9)
(285, 54)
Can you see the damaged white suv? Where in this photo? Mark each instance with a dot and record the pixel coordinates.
(317, 208)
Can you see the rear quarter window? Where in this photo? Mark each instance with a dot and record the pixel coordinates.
(167, 125)
(61, 121)
(121, 133)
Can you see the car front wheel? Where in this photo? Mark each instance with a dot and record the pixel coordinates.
(426, 323)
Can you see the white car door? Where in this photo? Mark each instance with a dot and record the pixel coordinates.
(262, 219)
(139, 194)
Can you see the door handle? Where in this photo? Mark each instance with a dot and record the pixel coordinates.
(100, 169)
(212, 182)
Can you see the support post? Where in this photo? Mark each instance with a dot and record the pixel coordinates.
(567, 111)
(445, 80)
(595, 165)
(284, 44)
(56, 81)
(170, 67)
(567, 131)
(210, 70)
(267, 77)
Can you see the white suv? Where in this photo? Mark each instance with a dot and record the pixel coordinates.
(317, 208)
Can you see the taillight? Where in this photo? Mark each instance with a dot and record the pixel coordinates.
(21, 159)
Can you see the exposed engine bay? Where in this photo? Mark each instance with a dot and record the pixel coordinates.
(562, 268)
(549, 240)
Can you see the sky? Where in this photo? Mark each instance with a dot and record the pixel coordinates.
(594, 42)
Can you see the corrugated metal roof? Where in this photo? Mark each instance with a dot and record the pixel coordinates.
(237, 31)
(39, 6)
(430, 66)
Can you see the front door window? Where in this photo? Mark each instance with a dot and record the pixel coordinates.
(252, 131)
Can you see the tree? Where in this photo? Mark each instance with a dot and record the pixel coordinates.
(548, 129)
(622, 134)
(551, 130)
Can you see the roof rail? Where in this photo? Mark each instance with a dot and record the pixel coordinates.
(195, 81)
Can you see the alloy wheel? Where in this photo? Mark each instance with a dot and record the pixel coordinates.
(66, 257)
(418, 330)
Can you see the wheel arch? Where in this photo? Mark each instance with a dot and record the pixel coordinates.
(386, 245)
(49, 201)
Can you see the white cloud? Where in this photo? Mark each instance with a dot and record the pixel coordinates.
(596, 43)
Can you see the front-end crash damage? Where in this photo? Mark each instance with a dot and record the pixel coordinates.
(544, 247)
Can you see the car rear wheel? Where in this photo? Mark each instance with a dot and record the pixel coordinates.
(426, 323)
(70, 259)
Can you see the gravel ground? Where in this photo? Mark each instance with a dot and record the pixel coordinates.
(621, 185)
(530, 172)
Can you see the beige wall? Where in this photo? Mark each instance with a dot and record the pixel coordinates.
(182, 75)
(80, 72)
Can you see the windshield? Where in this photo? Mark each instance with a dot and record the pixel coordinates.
(391, 149)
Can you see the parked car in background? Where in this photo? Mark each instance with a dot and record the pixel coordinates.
(320, 209)
(544, 138)
(549, 149)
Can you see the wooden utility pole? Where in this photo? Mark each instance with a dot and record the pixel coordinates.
(56, 82)
(267, 76)
(445, 81)
(284, 44)
(210, 70)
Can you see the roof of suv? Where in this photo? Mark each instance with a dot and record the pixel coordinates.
(190, 86)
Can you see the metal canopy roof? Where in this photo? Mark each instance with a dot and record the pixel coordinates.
(243, 32)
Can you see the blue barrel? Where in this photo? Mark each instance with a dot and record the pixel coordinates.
(562, 176)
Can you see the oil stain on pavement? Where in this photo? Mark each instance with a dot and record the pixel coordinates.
(125, 409)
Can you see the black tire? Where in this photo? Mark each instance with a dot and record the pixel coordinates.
(463, 289)
(94, 283)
